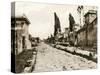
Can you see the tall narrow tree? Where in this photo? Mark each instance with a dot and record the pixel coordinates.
(57, 27)
(71, 22)
(80, 10)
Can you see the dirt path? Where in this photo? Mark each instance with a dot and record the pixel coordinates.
(52, 59)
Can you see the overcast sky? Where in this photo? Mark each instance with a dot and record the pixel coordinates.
(41, 16)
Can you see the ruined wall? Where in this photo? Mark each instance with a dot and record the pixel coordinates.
(20, 37)
(88, 38)
(18, 42)
(26, 34)
(92, 33)
(81, 36)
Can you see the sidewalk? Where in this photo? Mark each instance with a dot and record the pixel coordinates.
(78, 51)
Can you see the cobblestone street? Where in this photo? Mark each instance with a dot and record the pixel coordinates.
(52, 59)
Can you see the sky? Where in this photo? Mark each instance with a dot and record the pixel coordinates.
(41, 16)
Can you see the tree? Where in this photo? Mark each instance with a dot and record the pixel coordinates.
(57, 27)
(71, 22)
(79, 9)
(80, 12)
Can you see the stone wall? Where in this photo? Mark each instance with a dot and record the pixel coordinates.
(88, 38)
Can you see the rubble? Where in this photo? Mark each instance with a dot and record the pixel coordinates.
(74, 50)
